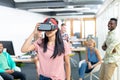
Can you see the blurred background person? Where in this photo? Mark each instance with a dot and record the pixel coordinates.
(64, 33)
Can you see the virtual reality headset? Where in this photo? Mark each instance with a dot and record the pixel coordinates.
(49, 24)
(46, 27)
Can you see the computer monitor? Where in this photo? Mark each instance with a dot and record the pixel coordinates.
(77, 34)
(9, 46)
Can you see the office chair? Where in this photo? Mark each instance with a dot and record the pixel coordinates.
(1, 78)
(92, 73)
(17, 69)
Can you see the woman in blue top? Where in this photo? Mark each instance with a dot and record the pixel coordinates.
(93, 58)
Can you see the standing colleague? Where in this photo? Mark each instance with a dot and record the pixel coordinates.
(8, 67)
(53, 52)
(112, 54)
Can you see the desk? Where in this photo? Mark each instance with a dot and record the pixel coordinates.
(77, 40)
(17, 59)
(81, 41)
(79, 50)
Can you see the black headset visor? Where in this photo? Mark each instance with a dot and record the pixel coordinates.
(46, 27)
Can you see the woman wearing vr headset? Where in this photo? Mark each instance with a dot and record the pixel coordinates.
(52, 53)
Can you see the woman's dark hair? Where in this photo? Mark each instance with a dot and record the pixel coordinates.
(59, 45)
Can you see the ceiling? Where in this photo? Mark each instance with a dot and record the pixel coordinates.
(60, 7)
(57, 7)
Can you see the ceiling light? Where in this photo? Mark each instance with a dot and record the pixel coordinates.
(59, 14)
(40, 10)
(70, 6)
(58, 9)
(31, 0)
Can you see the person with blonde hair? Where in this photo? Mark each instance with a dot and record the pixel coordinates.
(93, 58)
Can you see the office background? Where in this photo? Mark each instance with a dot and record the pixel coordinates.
(16, 25)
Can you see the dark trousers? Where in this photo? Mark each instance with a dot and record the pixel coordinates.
(44, 78)
(14, 75)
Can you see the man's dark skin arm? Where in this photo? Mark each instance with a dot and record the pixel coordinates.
(104, 47)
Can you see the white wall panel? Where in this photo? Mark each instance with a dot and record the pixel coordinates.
(16, 25)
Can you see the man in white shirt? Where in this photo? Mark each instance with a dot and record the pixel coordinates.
(112, 54)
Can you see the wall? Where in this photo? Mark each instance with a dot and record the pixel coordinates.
(113, 10)
(16, 25)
